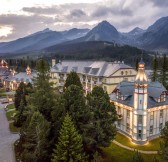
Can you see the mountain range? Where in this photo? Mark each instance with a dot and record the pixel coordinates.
(154, 38)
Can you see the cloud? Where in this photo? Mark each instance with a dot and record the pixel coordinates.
(41, 10)
(77, 13)
(105, 11)
(123, 14)
(160, 3)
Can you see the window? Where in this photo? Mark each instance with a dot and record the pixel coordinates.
(160, 126)
(126, 73)
(122, 72)
(151, 129)
(130, 72)
(152, 115)
(140, 102)
(119, 123)
(128, 113)
(126, 79)
(161, 113)
(139, 133)
(119, 110)
(128, 127)
(162, 97)
(139, 119)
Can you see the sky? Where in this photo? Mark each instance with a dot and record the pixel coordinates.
(19, 18)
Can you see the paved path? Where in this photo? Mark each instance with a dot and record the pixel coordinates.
(6, 138)
(132, 149)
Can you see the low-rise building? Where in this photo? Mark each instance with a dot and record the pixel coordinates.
(142, 107)
(12, 82)
(93, 73)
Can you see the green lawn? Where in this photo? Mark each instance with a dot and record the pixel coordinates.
(115, 153)
(11, 106)
(10, 115)
(13, 128)
(152, 145)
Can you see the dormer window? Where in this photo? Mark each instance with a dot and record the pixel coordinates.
(163, 97)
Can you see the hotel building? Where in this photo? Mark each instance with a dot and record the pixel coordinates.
(93, 73)
(142, 107)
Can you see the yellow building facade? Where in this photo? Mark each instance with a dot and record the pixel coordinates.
(92, 73)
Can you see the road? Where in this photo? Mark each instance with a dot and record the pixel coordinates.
(6, 138)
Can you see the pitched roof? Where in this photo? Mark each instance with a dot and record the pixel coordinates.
(96, 68)
(126, 88)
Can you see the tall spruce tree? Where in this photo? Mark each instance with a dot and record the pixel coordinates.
(137, 157)
(43, 98)
(164, 144)
(20, 93)
(155, 69)
(136, 64)
(69, 147)
(21, 115)
(72, 79)
(75, 105)
(103, 118)
(33, 138)
(164, 71)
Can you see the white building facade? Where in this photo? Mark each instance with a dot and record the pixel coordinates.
(142, 107)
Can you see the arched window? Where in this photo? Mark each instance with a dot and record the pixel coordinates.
(126, 73)
(122, 72)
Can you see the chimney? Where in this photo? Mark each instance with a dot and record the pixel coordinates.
(53, 62)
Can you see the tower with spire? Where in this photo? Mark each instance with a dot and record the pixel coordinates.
(140, 104)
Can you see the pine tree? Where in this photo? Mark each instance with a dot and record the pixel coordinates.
(136, 65)
(137, 157)
(75, 105)
(69, 147)
(21, 115)
(74, 79)
(155, 69)
(103, 118)
(164, 144)
(20, 93)
(34, 141)
(164, 71)
(43, 98)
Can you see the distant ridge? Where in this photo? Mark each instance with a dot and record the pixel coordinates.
(154, 38)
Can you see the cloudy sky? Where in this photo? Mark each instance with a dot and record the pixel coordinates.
(19, 18)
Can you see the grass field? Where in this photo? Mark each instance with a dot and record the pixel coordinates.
(11, 106)
(13, 128)
(115, 153)
(10, 112)
(153, 145)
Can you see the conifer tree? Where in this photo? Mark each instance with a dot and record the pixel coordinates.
(69, 147)
(164, 71)
(137, 157)
(20, 93)
(34, 139)
(136, 65)
(43, 98)
(164, 144)
(155, 69)
(103, 118)
(74, 79)
(21, 115)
